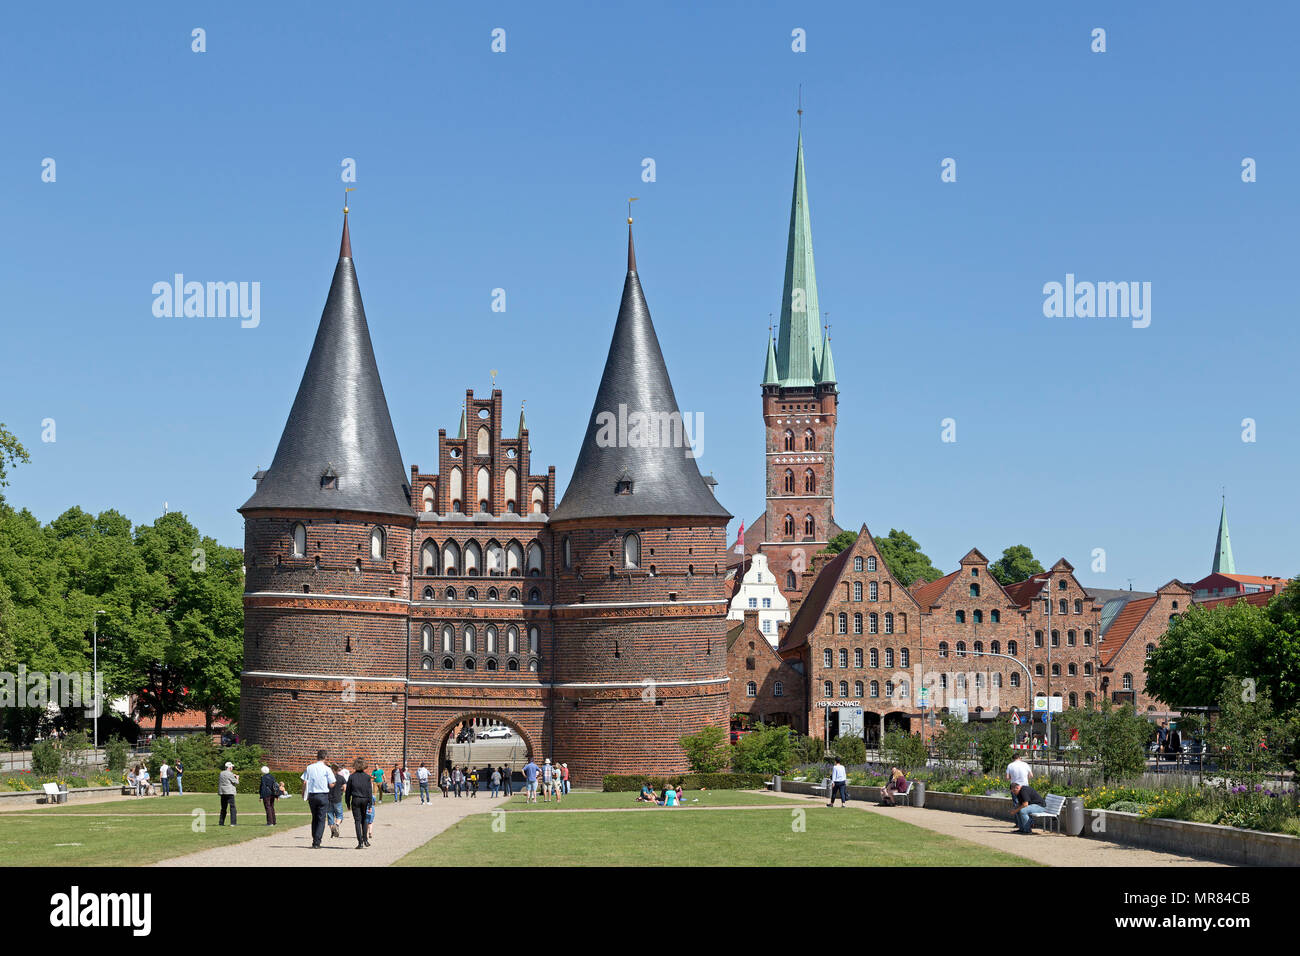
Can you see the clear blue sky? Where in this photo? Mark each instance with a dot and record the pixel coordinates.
(479, 170)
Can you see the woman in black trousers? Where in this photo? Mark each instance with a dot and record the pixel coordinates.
(358, 795)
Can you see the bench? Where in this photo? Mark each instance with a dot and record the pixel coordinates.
(54, 793)
(1054, 805)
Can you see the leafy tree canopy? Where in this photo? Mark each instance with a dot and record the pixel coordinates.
(1016, 564)
(905, 559)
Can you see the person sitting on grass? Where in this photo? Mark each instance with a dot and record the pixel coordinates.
(679, 794)
(646, 795)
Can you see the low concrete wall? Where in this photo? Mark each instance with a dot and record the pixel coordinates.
(1207, 840)
(32, 798)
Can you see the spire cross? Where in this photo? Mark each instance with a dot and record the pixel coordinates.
(631, 199)
(345, 198)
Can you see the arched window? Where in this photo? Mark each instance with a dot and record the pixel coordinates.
(512, 665)
(843, 623)
(457, 488)
(490, 638)
(426, 498)
(483, 491)
(1056, 638)
(789, 446)
(961, 617)
(1074, 700)
(844, 689)
(470, 639)
(904, 658)
(1078, 606)
(961, 648)
(978, 647)
(534, 559)
(857, 657)
(977, 616)
(873, 623)
(789, 581)
(1072, 669)
(789, 482)
(471, 594)
(1014, 679)
(974, 590)
(857, 688)
(1038, 638)
(995, 647)
(809, 440)
(1087, 698)
(875, 688)
(376, 544)
(809, 526)
(299, 541)
(496, 559)
(449, 594)
(788, 525)
(426, 638)
(1056, 670)
(631, 550)
(871, 563)
(857, 590)
(426, 663)
(484, 440)
(1038, 670)
(778, 689)
(902, 688)
(1011, 648)
(844, 657)
(889, 688)
(448, 663)
(532, 666)
(827, 660)
(473, 559)
(857, 563)
(809, 482)
(512, 640)
(451, 558)
(1064, 605)
(995, 617)
(514, 559)
(448, 639)
(889, 622)
(428, 594)
(568, 553)
(1087, 668)
(1087, 638)
(538, 498)
(1070, 638)
(513, 595)
(534, 596)
(873, 591)
(751, 689)
(875, 657)
(828, 689)
(889, 657)
(857, 624)
(534, 640)
(429, 558)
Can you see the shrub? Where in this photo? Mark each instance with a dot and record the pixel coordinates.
(205, 781)
(622, 783)
(244, 756)
(906, 751)
(198, 752)
(764, 750)
(115, 755)
(707, 751)
(1129, 806)
(851, 750)
(994, 745)
(806, 750)
(46, 758)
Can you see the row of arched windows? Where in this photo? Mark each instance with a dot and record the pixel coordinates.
(472, 560)
(873, 622)
(809, 526)
(483, 492)
(871, 654)
(809, 440)
(470, 663)
(828, 689)
(1071, 638)
(778, 689)
(471, 594)
(977, 616)
(467, 641)
(1071, 669)
(995, 647)
(378, 542)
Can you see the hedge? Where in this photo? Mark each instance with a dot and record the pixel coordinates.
(250, 781)
(619, 783)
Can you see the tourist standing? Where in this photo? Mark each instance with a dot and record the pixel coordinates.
(456, 780)
(335, 817)
(839, 783)
(269, 791)
(530, 780)
(165, 775)
(378, 777)
(179, 771)
(548, 779)
(506, 780)
(444, 783)
(564, 777)
(496, 782)
(397, 782)
(423, 776)
(227, 786)
(359, 795)
(316, 782)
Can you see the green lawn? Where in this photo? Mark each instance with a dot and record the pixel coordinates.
(693, 837)
(597, 800)
(132, 832)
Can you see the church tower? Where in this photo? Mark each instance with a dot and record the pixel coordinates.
(1223, 562)
(800, 402)
(327, 550)
(640, 607)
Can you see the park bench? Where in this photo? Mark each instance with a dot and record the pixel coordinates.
(1054, 805)
(823, 787)
(54, 793)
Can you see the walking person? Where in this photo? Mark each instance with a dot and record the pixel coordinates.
(227, 786)
(359, 796)
(269, 791)
(423, 776)
(378, 776)
(335, 817)
(316, 782)
(531, 770)
(505, 779)
(839, 783)
(444, 783)
(179, 771)
(165, 775)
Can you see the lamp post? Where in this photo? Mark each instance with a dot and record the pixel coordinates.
(94, 650)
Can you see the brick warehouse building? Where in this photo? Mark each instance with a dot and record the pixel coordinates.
(384, 608)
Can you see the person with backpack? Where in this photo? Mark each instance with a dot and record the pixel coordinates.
(423, 776)
(269, 790)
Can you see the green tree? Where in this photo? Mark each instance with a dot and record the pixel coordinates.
(953, 742)
(1114, 738)
(12, 453)
(115, 751)
(765, 749)
(707, 751)
(905, 751)
(1016, 564)
(905, 559)
(841, 542)
(1203, 647)
(994, 745)
(1247, 736)
(851, 750)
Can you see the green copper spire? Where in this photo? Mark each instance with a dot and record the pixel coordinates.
(798, 350)
(826, 370)
(461, 431)
(769, 370)
(1223, 563)
(522, 424)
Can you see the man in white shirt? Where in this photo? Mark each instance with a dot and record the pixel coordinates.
(839, 783)
(316, 782)
(165, 774)
(423, 774)
(1018, 771)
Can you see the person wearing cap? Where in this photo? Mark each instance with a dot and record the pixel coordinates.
(530, 780)
(548, 779)
(316, 782)
(269, 791)
(564, 777)
(227, 785)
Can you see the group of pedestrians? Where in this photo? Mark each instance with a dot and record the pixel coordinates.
(329, 788)
(458, 781)
(139, 780)
(553, 780)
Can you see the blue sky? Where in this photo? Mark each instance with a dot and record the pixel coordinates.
(478, 170)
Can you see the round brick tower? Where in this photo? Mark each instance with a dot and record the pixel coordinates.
(327, 541)
(640, 655)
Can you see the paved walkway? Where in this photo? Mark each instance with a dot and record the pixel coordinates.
(1041, 847)
(399, 829)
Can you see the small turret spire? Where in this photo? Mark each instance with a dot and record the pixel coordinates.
(631, 249)
(345, 247)
(1223, 562)
(522, 423)
(461, 431)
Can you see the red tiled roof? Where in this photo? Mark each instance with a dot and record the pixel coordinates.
(928, 592)
(185, 720)
(1267, 580)
(1122, 628)
(810, 610)
(1257, 598)
(1022, 592)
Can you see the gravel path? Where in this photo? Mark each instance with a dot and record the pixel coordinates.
(399, 829)
(1041, 847)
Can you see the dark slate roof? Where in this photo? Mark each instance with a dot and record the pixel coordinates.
(665, 481)
(810, 610)
(339, 421)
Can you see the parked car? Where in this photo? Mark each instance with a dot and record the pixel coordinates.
(495, 733)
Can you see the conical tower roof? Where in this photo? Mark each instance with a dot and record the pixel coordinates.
(1223, 563)
(826, 369)
(769, 368)
(798, 347)
(619, 473)
(339, 427)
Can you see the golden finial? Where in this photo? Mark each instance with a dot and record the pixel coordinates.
(345, 198)
(493, 373)
(631, 200)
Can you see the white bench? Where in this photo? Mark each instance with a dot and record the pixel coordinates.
(54, 793)
(1054, 805)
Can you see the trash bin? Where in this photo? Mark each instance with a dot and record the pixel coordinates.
(776, 783)
(1072, 816)
(918, 793)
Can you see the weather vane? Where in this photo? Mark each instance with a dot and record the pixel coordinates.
(799, 109)
(631, 200)
(493, 373)
(345, 198)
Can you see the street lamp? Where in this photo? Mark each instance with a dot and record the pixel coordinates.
(94, 649)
